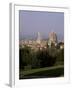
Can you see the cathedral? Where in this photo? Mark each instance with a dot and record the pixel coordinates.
(52, 39)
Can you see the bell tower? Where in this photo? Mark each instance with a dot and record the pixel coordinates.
(38, 38)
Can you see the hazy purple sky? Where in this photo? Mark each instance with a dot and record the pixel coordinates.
(31, 22)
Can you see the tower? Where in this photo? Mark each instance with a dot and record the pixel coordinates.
(38, 38)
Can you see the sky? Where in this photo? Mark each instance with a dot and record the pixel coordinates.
(32, 22)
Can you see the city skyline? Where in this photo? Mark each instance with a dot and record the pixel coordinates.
(32, 22)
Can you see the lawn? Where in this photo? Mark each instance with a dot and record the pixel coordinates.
(54, 71)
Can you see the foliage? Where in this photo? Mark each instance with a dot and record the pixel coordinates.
(25, 56)
(60, 57)
(45, 59)
(42, 58)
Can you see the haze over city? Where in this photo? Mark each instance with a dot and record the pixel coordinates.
(32, 22)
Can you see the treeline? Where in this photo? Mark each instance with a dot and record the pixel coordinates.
(29, 59)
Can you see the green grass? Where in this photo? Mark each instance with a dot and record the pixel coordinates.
(54, 71)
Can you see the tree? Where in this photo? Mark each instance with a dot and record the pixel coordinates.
(60, 57)
(45, 59)
(25, 56)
